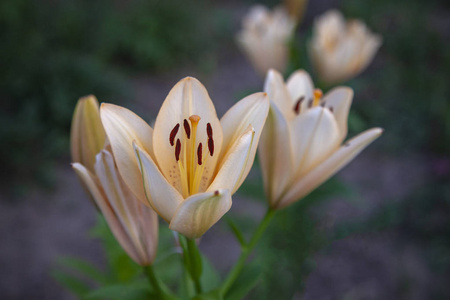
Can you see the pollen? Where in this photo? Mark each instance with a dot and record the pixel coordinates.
(317, 96)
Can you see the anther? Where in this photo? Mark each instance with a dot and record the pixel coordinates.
(173, 133)
(199, 154)
(331, 108)
(297, 104)
(322, 104)
(209, 130)
(211, 146)
(177, 150)
(310, 103)
(187, 128)
(216, 193)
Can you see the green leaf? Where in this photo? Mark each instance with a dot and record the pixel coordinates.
(135, 291)
(212, 295)
(83, 267)
(237, 233)
(73, 284)
(244, 283)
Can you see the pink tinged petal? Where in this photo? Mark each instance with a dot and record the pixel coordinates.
(200, 212)
(161, 195)
(127, 208)
(188, 97)
(232, 171)
(276, 90)
(251, 110)
(314, 136)
(339, 159)
(275, 154)
(300, 86)
(122, 128)
(87, 136)
(111, 218)
(339, 100)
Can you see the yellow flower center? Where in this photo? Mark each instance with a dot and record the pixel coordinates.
(190, 155)
(317, 95)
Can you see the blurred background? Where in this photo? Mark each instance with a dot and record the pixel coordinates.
(379, 230)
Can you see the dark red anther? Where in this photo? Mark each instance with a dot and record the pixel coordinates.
(297, 104)
(199, 154)
(173, 133)
(331, 109)
(187, 128)
(211, 146)
(209, 131)
(310, 103)
(177, 150)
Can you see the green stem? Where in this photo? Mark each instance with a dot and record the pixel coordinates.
(148, 270)
(195, 264)
(237, 269)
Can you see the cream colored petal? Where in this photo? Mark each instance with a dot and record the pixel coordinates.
(188, 97)
(340, 158)
(122, 128)
(276, 90)
(314, 136)
(339, 101)
(163, 197)
(87, 135)
(275, 154)
(251, 110)
(107, 211)
(200, 212)
(300, 86)
(232, 171)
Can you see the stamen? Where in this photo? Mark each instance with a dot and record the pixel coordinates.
(331, 109)
(317, 96)
(199, 154)
(211, 146)
(173, 133)
(177, 150)
(216, 193)
(310, 103)
(209, 131)
(297, 104)
(187, 128)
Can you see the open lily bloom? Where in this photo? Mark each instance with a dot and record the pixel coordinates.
(340, 50)
(300, 146)
(264, 38)
(134, 225)
(191, 163)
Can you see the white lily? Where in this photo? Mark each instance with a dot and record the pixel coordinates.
(300, 146)
(134, 225)
(340, 50)
(264, 38)
(191, 163)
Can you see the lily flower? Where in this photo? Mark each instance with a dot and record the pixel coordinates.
(264, 38)
(87, 136)
(134, 225)
(301, 144)
(190, 164)
(340, 50)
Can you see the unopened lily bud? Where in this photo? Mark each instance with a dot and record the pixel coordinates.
(296, 8)
(87, 136)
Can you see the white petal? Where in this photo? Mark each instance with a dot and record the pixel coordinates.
(231, 173)
(122, 127)
(199, 212)
(188, 97)
(104, 206)
(163, 197)
(330, 166)
(275, 154)
(250, 111)
(339, 100)
(314, 136)
(300, 86)
(276, 90)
